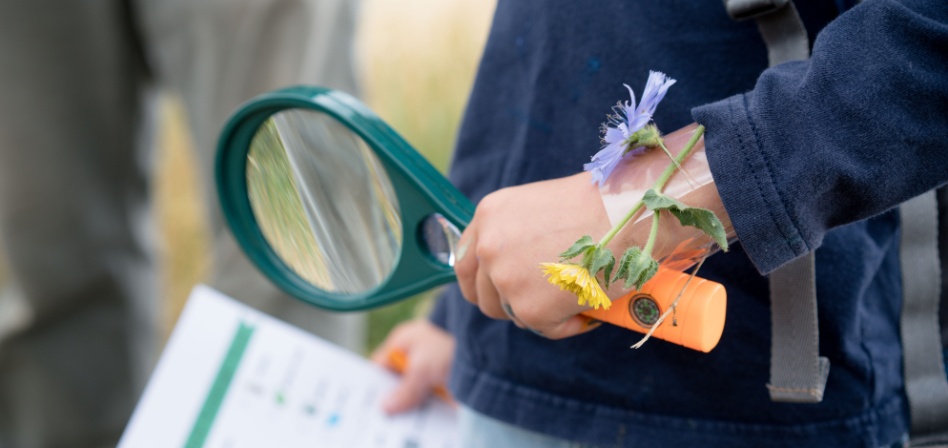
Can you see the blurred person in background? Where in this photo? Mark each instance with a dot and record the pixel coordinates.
(78, 85)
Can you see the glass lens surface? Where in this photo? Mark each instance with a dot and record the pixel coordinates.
(441, 238)
(324, 201)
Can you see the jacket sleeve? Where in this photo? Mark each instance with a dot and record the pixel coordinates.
(851, 133)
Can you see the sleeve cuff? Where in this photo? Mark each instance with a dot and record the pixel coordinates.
(743, 177)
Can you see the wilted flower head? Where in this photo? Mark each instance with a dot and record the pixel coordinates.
(620, 132)
(577, 280)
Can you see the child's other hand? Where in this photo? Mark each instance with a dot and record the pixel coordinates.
(429, 351)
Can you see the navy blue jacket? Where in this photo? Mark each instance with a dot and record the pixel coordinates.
(806, 155)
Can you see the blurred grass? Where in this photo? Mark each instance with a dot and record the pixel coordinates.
(419, 60)
(416, 65)
(184, 255)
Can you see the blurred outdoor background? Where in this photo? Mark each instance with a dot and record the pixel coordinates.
(416, 60)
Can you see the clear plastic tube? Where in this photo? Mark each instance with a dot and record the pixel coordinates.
(676, 247)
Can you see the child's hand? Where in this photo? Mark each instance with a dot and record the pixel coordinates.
(429, 351)
(513, 231)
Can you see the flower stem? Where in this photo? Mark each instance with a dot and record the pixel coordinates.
(652, 236)
(691, 180)
(605, 240)
(685, 152)
(659, 186)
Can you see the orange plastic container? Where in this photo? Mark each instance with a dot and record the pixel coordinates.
(699, 315)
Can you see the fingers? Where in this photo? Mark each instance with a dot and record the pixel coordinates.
(473, 280)
(415, 386)
(568, 328)
(543, 318)
(422, 353)
(397, 340)
(479, 288)
(589, 324)
(498, 272)
(508, 310)
(488, 299)
(466, 264)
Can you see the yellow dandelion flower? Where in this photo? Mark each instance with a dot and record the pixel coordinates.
(576, 279)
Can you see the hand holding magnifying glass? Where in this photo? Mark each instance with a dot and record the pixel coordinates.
(339, 211)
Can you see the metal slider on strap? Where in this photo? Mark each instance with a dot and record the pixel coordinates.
(750, 9)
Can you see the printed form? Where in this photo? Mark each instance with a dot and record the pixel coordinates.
(232, 377)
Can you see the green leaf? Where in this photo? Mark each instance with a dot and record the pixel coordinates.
(644, 274)
(636, 268)
(607, 270)
(624, 262)
(588, 258)
(702, 219)
(602, 258)
(641, 270)
(654, 200)
(581, 245)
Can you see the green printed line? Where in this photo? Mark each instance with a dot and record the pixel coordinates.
(215, 397)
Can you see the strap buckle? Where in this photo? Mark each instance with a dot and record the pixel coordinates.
(750, 9)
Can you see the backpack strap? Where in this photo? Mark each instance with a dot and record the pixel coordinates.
(779, 24)
(797, 371)
(923, 364)
(942, 196)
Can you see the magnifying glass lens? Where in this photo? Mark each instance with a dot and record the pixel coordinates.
(323, 201)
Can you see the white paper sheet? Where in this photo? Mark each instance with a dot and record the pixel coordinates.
(232, 377)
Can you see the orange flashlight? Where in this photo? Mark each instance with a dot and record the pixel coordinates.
(696, 322)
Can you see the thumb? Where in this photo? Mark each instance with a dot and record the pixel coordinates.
(415, 387)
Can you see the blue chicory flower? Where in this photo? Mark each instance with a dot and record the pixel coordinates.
(628, 120)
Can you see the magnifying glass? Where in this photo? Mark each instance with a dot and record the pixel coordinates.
(339, 211)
